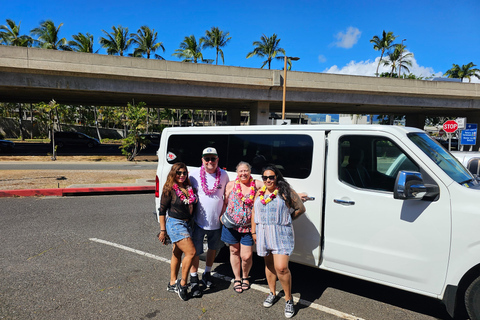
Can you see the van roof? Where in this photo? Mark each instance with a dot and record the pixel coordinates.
(291, 128)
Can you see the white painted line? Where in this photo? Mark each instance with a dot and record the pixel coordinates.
(257, 287)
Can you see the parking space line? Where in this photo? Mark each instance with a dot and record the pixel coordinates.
(257, 287)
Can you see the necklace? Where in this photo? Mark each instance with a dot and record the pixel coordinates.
(203, 179)
(238, 189)
(181, 195)
(270, 198)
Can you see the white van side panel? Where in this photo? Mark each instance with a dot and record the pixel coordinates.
(403, 243)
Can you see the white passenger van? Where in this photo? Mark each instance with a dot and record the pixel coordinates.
(390, 206)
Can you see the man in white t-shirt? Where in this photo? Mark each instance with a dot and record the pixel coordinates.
(210, 182)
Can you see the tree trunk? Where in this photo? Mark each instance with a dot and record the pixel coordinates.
(58, 119)
(96, 123)
(20, 117)
(31, 121)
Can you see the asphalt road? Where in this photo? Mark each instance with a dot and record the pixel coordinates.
(42, 149)
(98, 257)
(83, 165)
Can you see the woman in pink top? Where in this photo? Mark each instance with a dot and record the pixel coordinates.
(239, 196)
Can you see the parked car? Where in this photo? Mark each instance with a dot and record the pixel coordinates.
(67, 138)
(154, 139)
(6, 145)
(444, 143)
(470, 160)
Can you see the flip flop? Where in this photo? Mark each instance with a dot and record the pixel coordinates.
(245, 285)
(237, 287)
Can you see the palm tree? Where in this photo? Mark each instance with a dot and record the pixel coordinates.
(146, 39)
(398, 60)
(191, 51)
(385, 43)
(48, 36)
(117, 42)
(466, 71)
(216, 38)
(10, 35)
(82, 42)
(267, 48)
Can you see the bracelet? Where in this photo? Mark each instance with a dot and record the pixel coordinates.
(163, 230)
(254, 233)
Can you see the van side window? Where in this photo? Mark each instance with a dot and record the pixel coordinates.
(291, 153)
(371, 162)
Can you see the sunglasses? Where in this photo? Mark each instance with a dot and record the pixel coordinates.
(182, 173)
(208, 159)
(265, 178)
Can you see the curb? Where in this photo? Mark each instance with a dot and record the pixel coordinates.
(61, 192)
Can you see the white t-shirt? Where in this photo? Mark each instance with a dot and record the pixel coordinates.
(209, 208)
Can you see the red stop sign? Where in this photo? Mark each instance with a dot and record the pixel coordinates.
(450, 126)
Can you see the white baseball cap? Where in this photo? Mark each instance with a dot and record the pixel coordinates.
(209, 150)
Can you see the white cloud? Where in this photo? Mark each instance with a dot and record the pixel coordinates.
(322, 58)
(368, 68)
(348, 39)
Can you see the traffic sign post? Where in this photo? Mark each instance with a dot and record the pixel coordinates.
(469, 135)
(450, 127)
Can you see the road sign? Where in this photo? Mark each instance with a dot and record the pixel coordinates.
(461, 122)
(450, 126)
(469, 135)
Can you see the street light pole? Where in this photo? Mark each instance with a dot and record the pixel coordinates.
(285, 82)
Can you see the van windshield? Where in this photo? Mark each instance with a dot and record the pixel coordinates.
(448, 163)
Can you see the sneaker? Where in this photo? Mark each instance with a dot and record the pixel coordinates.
(172, 287)
(182, 291)
(270, 300)
(207, 280)
(195, 287)
(289, 309)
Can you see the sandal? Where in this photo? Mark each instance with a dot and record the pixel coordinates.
(245, 285)
(237, 287)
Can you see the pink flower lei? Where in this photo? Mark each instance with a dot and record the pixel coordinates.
(203, 179)
(238, 189)
(181, 195)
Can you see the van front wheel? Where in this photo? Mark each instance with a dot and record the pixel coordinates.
(472, 299)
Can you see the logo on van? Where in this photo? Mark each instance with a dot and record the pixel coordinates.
(171, 156)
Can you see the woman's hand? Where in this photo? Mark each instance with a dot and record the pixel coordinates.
(254, 236)
(162, 236)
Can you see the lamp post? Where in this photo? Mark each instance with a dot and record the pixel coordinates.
(285, 81)
(400, 61)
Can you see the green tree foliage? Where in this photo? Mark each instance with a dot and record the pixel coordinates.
(398, 59)
(217, 39)
(10, 35)
(48, 36)
(191, 51)
(135, 119)
(267, 47)
(466, 71)
(116, 42)
(146, 41)
(383, 44)
(82, 42)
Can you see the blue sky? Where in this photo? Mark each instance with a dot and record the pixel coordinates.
(328, 36)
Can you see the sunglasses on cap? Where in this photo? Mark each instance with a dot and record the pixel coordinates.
(182, 173)
(265, 178)
(208, 159)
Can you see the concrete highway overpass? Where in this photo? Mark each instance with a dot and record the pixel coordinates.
(30, 75)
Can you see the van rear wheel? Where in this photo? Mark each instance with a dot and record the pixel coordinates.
(472, 299)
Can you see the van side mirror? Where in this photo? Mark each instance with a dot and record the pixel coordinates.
(409, 185)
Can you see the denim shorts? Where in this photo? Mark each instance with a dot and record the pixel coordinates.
(232, 236)
(213, 239)
(178, 229)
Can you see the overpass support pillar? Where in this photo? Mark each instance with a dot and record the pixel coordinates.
(233, 117)
(259, 113)
(415, 120)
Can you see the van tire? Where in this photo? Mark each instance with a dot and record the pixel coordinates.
(472, 299)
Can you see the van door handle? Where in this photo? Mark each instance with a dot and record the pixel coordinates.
(346, 202)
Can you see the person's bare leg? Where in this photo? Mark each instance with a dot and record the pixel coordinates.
(283, 273)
